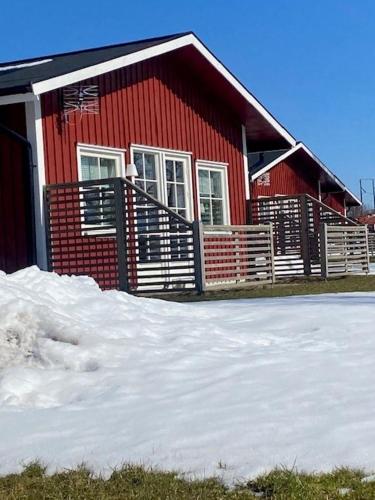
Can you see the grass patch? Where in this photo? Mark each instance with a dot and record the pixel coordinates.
(299, 286)
(135, 483)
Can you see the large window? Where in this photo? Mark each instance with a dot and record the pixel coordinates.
(97, 163)
(165, 175)
(213, 197)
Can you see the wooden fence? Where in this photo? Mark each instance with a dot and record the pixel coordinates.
(344, 250)
(234, 255)
(296, 221)
(371, 244)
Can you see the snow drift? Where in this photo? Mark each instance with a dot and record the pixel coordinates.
(107, 378)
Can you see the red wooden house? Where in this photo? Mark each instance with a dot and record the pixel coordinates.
(296, 171)
(162, 113)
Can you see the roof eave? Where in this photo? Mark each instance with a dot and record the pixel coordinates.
(44, 86)
(301, 146)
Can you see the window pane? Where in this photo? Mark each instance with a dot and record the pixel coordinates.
(151, 189)
(217, 212)
(205, 211)
(138, 160)
(179, 171)
(216, 185)
(140, 183)
(107, 168)
(169, 167)
(180, 195)
(90, 170)
(150, 164)
(204, 183)
(171, 195)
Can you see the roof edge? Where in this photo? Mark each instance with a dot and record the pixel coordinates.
(164, 47)
(299, 146)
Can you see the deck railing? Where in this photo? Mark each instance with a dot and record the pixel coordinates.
(124, 238)
(236, 255)
(344, 250)
(371, 243)
(296, 221)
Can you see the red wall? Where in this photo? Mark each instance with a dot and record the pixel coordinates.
(15, 237)
(335, 200)
(155, 103)
(289, 178)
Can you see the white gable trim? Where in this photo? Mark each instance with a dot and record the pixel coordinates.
(275, 162)
(315, 158)
(162, 48)
(15, 98)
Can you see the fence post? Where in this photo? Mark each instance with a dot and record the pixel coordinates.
(305, 241)
(198, 245)
(47, 223)
(323, 251)
(272, 254)
(367, 252)
(118, 189)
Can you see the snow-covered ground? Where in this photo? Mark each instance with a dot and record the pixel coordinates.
(107, 378)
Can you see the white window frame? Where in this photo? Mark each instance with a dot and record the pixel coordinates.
(103, 152)
(99, 152)
(222, 168)
(162, 155)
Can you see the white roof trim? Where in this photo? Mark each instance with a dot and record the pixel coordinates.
(15, 98)
(315, 158)
(162, 48)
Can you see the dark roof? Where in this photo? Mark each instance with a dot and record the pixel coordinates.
(261, 159)
(20, 79)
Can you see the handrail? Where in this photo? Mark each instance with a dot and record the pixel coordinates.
(332, 210)
(308, 196)
(111, 180)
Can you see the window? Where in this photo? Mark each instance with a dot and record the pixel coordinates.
(213, 198)
(97, 163)
(165, 175)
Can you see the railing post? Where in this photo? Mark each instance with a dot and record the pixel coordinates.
(47, 222)
(305, 242)
(198, 245)
(122, 264)
(367, 270)
(323, 251)
(272, 252)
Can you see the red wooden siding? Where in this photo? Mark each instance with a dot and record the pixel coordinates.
(287, 178)
(15, 238)
(291, 178)
(155, 103)
(335, 200)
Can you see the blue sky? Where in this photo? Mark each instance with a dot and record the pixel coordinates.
(310, 62)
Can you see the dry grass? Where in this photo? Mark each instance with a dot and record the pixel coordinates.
(300, 286)
(137, 483)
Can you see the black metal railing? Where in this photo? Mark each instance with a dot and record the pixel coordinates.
(121, 236)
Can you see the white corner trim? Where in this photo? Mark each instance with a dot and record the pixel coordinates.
(308, 151)
(245, 163)
(162, 48)
(35, 137)
(16, 98)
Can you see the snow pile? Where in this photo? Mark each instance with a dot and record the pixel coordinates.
(106, 378)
